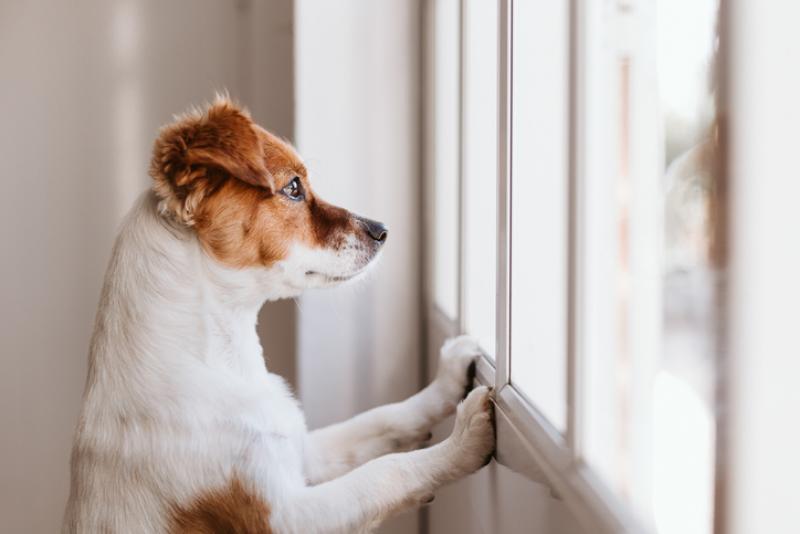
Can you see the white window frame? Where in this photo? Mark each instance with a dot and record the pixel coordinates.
(526, 441)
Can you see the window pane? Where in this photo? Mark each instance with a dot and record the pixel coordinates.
(650, 260)
(539, 205)
(446, 123)
(480, 170)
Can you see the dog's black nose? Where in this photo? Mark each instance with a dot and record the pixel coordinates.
(376, 230)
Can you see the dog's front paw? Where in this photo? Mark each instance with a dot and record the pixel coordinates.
(457, 368)
(473, 437)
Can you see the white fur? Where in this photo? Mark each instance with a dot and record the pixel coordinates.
(178, 400)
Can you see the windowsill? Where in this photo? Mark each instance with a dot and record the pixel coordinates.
(528, 444)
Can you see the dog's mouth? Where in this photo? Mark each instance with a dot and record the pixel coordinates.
(333, 278)
(325, 277)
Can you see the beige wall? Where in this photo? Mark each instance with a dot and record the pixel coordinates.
(84, 86)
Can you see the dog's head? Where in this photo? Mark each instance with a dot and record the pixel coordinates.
(247, 195)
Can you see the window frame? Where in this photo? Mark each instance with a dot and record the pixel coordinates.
(526, 441)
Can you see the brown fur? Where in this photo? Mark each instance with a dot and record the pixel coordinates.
(222, 174)
(229, 510)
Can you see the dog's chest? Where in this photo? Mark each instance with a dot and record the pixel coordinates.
(258, 434)
(277, 411)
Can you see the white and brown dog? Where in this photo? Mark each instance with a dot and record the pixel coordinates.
(182, 428)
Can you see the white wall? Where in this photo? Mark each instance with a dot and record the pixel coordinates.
(762, 438)
(84, 86)
(358, 128)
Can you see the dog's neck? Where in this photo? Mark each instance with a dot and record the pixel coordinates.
(166, 303)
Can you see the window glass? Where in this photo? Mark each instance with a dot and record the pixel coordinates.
(446, 139)
(683, 392)
(479, 166)
(539, 210)
(650, 257)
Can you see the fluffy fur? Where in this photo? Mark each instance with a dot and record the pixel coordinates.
(182, 428)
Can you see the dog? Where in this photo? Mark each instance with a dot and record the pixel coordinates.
(182, 427)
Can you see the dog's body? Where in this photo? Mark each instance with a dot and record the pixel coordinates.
(183, 429)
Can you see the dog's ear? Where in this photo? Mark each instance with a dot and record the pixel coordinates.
(193, 155)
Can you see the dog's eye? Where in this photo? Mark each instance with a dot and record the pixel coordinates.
(294, 189)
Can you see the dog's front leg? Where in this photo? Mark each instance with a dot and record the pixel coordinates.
(403, 426)
(361, 499)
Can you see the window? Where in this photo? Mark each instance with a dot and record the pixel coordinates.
(575, 152)
(446, 168)
(648, 268)
(539, 205)
(479, 170)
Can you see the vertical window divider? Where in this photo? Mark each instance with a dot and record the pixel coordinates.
(504, 178)
(460, 300)
(574, 209)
